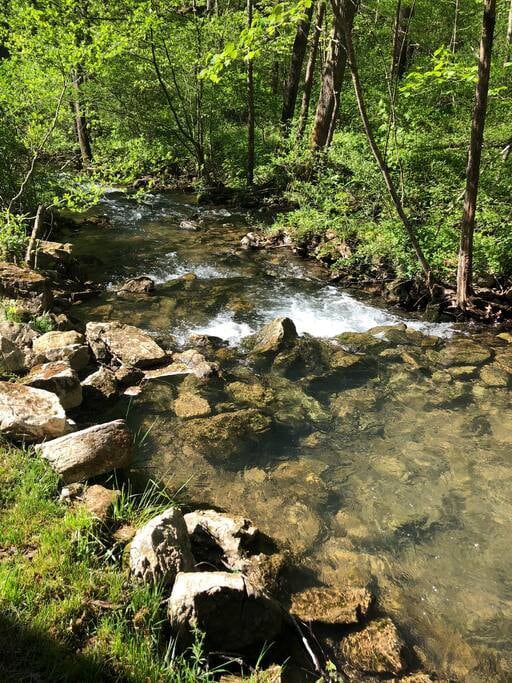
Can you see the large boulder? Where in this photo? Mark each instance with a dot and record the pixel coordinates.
(231, 613)
(118, 344)
(275, 336)
(221, 540)
(16, 282)
(161, 549)
(89, 452)
(332, 605)
(31, 415)
(69, 345)
(59, 378)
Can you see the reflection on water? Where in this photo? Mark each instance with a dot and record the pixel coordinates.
(376, 459)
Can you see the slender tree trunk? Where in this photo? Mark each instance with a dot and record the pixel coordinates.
(37, 231)
(332, 75)
(292, 82)
(275, 77)
(250, 108)
(310, 70)
(347, 23)
(508, 48)
(82, 131)
(465, 265)
(454, 42)
(401, 45)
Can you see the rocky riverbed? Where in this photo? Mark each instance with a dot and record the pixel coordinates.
(369, 452)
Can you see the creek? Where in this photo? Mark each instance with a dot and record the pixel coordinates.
(393, 470)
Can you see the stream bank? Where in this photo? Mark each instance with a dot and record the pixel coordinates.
(368, 446)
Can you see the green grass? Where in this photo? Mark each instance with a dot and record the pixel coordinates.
(67, 609)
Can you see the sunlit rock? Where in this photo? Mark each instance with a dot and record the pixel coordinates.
(377, 649)
(122, 344)
(89, 452)
(31, 415)
(59, 378)
(332, 605)
(161, 549)
(69, 346)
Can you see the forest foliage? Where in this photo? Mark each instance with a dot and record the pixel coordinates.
(110, 92)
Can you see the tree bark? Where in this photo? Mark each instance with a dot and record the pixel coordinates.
(454, 43)
(401, 45)
(508, 48)
(36, 233)
(250, 108)
(310, 70)
(292, 82)
(346, 21)
(465, 264)
(333, 72)
(81, 128)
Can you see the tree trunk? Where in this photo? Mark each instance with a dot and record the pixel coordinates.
(82, 131)
(454, 43)
(310, 70)
(292, 82)
(346, 21)
(332, 76)
(37, 231)
(465, 265)
(250, 108)
(508, 48)
(401, 45)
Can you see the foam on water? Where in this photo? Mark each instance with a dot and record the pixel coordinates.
(325, 314)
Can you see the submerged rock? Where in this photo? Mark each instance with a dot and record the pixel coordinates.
(462, 352)
(161, 549)
(360, 342)
(275, 336)
(220, 540)
(377, 649)
(89, 452)
(222, 436)
(31, 415)
(190, 405)
(59, 378)
(118, 343)
(494, 375)
(332, 605)
(231, 613)
(70, 346)
(250, 394)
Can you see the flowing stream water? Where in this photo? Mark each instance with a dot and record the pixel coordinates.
(393, 471)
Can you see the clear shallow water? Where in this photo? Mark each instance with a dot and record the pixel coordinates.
(394, 471)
